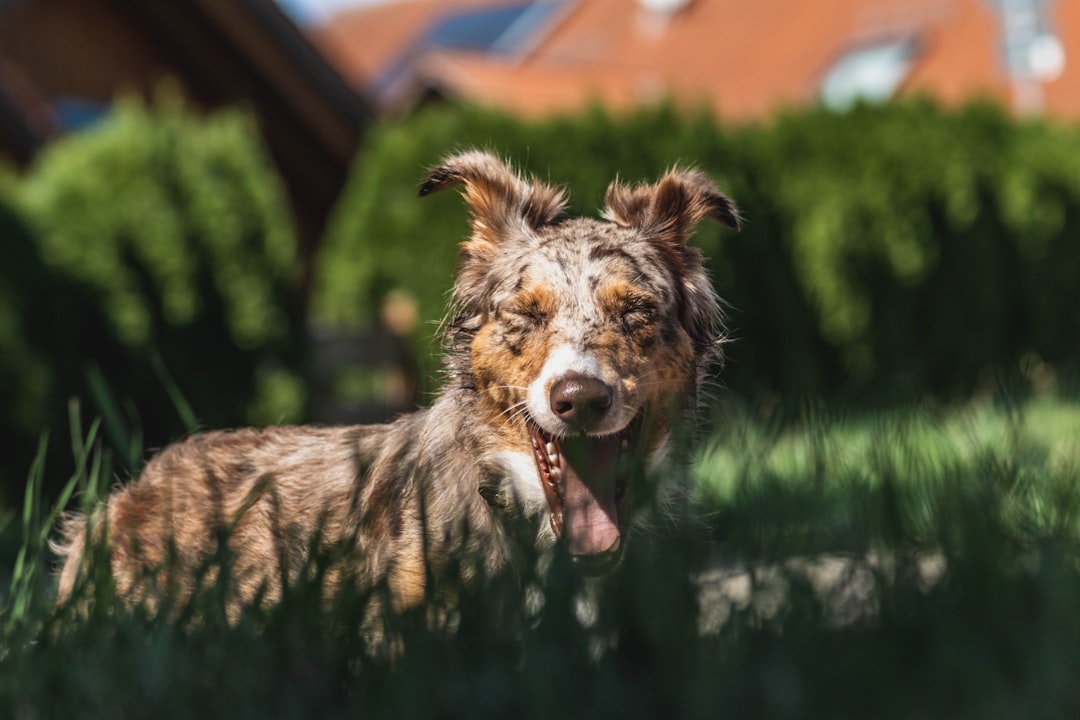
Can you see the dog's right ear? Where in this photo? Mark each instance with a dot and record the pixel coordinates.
(500, 201)
(668, 211)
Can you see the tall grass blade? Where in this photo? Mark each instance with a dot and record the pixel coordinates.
(77, 479)
(183, 409)
(116, 425)
(26, 562)
(75, 426)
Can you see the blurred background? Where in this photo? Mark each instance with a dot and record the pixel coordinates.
(208, 209)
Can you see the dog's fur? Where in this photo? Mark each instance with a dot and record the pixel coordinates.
(572, 349)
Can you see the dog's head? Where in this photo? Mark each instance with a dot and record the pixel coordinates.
(585, 340)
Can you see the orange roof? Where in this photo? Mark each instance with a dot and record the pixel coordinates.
(742, 59)
(1063, 95)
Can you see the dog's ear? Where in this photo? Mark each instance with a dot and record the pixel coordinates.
(668, 211)
(504, 207)
(501, 202)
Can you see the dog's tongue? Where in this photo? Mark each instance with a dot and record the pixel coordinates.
(589, 481)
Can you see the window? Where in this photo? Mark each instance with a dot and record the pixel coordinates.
(500, 30)
(872, 73)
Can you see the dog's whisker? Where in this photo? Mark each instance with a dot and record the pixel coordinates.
(515, 409)
(519, 414)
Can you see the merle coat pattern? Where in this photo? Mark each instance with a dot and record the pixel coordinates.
(572, 348)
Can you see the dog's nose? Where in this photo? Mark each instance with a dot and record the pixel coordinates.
(580, 400)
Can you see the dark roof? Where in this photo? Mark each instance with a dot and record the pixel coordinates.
(26, 122)
(75, 53)
(248, 51)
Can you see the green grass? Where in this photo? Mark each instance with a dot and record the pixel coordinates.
(836, 482)
(989, 488)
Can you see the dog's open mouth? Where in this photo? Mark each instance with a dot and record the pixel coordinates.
(586, 485)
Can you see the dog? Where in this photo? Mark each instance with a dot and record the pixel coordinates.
(573, 349)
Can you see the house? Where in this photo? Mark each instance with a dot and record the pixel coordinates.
(741, 59)
(63, 61)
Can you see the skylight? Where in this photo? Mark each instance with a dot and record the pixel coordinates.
(500, 29)
(872, 73)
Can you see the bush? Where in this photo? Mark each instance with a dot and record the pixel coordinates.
(889, 250)
(150, 254)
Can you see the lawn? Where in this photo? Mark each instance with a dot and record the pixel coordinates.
(952, 529)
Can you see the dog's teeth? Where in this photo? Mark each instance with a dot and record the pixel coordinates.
(553, 453)
(555, 474)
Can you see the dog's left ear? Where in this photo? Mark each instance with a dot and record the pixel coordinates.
(668, 211)
(501, 202)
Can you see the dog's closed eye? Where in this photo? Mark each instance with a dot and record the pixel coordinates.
(630, 307)
(523, 320)
(638, 318)
(528, 310)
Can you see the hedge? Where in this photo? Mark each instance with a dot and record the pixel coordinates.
(888, 251)
(149, 259)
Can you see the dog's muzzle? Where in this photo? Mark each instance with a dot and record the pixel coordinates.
(583, 476)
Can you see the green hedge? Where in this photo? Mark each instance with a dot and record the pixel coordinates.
(887, 251)
(153, 252)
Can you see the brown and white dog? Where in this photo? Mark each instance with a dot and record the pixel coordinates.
(574, 346)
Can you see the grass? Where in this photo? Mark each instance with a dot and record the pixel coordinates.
(822, 482)
(991, 489)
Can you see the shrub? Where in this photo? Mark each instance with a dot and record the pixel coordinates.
(153, 252)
